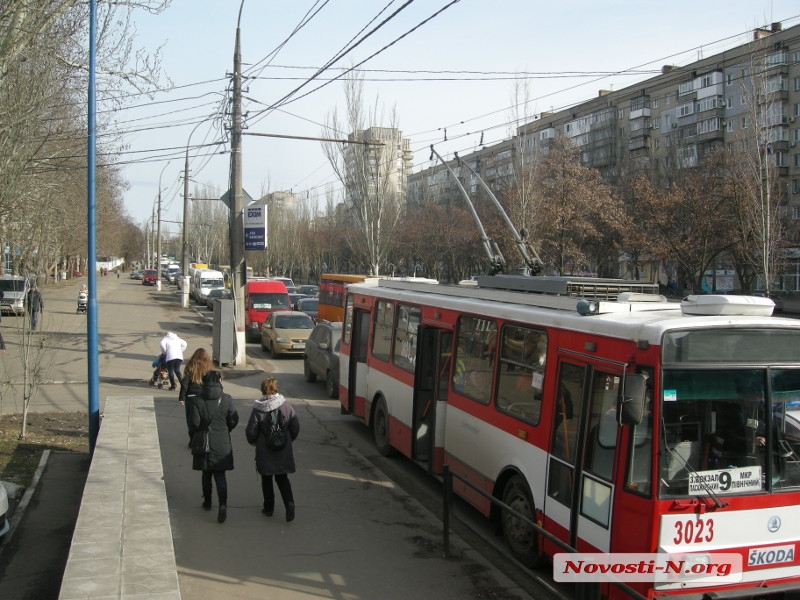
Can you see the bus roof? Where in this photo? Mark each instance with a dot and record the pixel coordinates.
(631, 314)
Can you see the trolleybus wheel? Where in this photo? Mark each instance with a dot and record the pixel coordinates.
(380, 428)
(309, 375)
(521, 538)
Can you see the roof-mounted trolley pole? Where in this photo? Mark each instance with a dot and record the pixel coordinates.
(534, 264)
(496, 260)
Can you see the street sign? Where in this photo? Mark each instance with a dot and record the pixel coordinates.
(255, 227)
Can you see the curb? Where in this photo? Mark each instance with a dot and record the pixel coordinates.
(19, 509)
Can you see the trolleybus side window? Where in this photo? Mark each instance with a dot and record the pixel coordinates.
(405, 340)
(472, 371)
(565, 432)
(640, 453)
(382, 332)
(521, 372)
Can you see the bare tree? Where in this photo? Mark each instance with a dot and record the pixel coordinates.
(368, 173)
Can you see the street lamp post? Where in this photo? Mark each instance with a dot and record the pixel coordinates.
(158, 234)
(185, 237)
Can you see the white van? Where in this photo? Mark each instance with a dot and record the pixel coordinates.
(14, 288)
(204, 280)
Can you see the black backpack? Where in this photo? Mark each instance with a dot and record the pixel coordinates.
(276, 430)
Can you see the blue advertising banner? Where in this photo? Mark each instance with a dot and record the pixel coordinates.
(255, 227)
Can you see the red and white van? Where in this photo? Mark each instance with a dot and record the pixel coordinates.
(261, 297)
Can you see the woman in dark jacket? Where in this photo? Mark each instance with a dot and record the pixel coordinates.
(269, 462)
(192, 381)
(213, 406)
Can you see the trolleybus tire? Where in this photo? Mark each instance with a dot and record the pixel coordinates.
(380, 428)
(308, 374)
(330, 386)
(522, 540)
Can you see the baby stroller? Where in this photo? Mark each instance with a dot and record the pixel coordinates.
(83, 301)
(160, 378)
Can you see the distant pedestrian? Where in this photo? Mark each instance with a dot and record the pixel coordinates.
(213, 409)
(271, 462)
(172, 346)
(35, 305)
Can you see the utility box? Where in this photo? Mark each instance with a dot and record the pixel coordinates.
(223, 332)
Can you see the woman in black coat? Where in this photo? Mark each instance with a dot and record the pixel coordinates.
(269, 462)
(213, 406)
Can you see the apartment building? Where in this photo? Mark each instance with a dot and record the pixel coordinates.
(672, 120)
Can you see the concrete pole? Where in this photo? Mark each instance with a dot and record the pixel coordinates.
(158, 252)
(237, 217)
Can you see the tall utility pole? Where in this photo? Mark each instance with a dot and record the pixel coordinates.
(237, 217)
(158, 252)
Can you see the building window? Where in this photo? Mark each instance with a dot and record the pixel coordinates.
(655, 144)
(667, 99)
(686, 109)
(796, 135)
(797, 109)
(780, 159)
(685, 88)
(709, 103)
(729, 79)
(797, 84)
(744, 74)
(729, 102)
(706, 81)
(621, 113)
(729, 127)
(797, 160)
(744, 122)
(656, 102)
(795, 190)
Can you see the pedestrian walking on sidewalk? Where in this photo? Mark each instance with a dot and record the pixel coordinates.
(172, 346)
(213, 409)
(269, 412)
(199, 364)
(35, 305)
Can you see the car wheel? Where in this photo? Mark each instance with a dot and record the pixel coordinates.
(380, 428)
(272, 350)
(309, 375)
(521, 538)
(331, 386)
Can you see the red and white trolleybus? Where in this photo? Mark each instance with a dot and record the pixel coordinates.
(618, 421)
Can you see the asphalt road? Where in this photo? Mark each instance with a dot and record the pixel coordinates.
(359, 532)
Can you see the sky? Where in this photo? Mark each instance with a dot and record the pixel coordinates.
(449, 78)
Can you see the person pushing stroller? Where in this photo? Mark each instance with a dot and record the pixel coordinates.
(83, 300)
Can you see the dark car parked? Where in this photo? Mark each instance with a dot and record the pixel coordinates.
(321, 358)
(214, 293)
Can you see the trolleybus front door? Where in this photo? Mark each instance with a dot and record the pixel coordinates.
(583, 454)
(430, 388)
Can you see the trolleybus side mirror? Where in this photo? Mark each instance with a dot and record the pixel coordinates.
(631, 404)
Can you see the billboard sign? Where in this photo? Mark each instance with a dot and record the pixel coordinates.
(255, 227)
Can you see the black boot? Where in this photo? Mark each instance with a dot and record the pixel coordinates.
(290, 511)
(207, 502)
(222, 514)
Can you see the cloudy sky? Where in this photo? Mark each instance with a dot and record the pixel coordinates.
(453, 73)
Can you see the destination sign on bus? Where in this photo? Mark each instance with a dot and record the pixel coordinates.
(725, 481)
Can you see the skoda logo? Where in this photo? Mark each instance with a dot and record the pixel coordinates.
(773, 524)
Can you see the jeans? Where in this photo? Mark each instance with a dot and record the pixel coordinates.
(34, 319)
(174, 369)
(221, 483)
